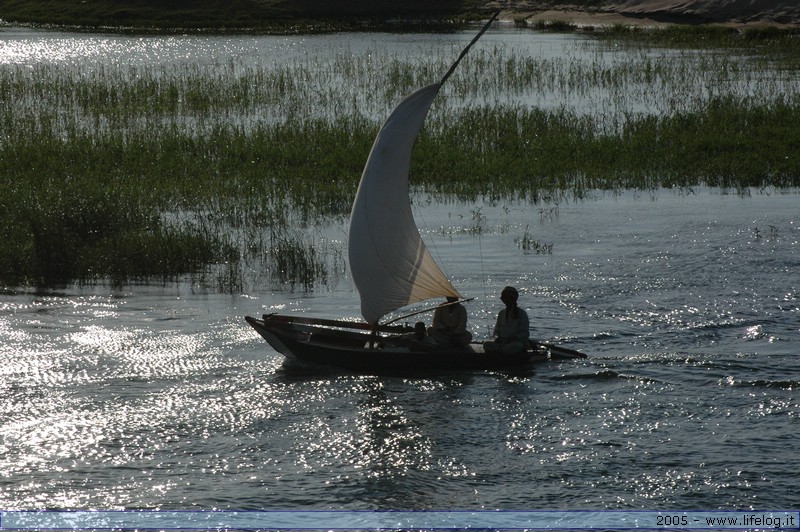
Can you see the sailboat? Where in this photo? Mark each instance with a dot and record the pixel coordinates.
(391, 269)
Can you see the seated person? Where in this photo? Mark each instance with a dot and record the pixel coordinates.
(512, 329)
(450, 324)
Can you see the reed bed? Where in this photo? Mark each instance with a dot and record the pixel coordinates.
(121, 172)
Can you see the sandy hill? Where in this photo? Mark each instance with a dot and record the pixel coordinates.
(778, 12)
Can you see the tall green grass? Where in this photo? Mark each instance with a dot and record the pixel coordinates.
(501, 151)
(250, 15)
(58, 232)
(217, 171)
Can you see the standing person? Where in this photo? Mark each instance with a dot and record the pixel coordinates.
(450, 324)
(512, 329)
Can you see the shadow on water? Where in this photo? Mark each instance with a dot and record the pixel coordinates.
(405, 439)
(291, 372)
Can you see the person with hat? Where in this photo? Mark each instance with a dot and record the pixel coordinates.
(512, 329)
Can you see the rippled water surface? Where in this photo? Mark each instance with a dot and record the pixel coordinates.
(341, 71)
(161, 397)
(686, 301)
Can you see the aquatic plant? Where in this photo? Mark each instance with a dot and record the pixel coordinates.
(272, 16)
(303, 265)
(528, 244)
(135, 171)
(56, 235)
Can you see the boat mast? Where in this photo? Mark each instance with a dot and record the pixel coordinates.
(444, 78)
(465, 50)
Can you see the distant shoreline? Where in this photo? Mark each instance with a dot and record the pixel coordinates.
(310, 16)
(780, 13)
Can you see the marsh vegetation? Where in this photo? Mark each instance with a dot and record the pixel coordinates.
(222, 169)
(242, 15)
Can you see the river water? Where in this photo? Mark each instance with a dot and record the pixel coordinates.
(161, 397)
(687, 304)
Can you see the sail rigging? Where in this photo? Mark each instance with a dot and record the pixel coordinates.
(391, 268)
(390, 264)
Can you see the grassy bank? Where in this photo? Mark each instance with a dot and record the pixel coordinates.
(87, 209)
(543, 155)
(285, 16)
(251, 15)
(140, 172)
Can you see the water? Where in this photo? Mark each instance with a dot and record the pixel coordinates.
(161, 397)
(363, 74)
(27, 46)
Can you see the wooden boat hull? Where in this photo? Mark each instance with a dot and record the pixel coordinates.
(335, 344)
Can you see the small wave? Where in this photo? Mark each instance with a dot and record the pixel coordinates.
(604, 375)
(781, 385)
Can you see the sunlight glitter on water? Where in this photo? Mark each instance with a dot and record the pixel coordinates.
(161, 397)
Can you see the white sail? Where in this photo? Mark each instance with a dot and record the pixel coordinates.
(390, 264)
